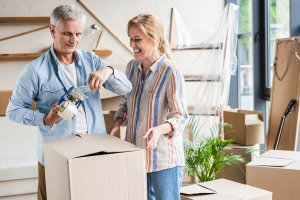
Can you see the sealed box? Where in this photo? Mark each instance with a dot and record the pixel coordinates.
(94, 166)
(222, 189)
(277, 171)
(248, 126)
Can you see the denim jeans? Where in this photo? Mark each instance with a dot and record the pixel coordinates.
(165, 184)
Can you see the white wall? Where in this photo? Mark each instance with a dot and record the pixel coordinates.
(115, 14)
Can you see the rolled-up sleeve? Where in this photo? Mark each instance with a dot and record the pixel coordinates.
(176, 96)
(118, 82)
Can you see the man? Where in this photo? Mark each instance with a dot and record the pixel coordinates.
(47, 78)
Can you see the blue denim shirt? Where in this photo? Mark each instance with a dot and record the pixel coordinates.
(43, 81)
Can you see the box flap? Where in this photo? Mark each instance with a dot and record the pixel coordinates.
(289, 155)
(252, 119)
(247, 112)
(225, 189)
(271, 162)
(195, 189)
(249, 192)
(86, 144)
(220, 185)
(237, 146)
(209, 197)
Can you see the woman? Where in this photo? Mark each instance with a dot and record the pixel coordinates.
(155, 109)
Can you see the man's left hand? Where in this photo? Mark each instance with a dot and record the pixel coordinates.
(97, 78)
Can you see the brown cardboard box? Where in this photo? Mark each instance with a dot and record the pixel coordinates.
(97, 166)
(4, 99)
(248, 126)
(109, 117)
(222, 189)
(237, 172)
(277, 171)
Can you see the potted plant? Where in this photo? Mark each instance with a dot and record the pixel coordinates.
(204, 158)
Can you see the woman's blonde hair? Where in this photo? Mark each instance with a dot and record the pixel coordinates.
(153, 28)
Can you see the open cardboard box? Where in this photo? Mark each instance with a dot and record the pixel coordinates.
(222, 189)
(94, 166)
(248, 126)
(277, 171)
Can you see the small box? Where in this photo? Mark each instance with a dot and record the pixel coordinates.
(237, 172)
(248, 126)
(109, 118)
(277, 171)
(4, 99)
(222, 189)
(93, 167)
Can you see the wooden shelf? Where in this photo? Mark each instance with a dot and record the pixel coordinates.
(202, 78)
(198, 47)
(24, 19)
(21, 55)
(37, 54)
(103, 52)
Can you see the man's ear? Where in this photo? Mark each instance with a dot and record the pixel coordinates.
(52, 31)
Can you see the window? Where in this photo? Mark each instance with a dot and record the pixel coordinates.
(245, 55)
(278, 12)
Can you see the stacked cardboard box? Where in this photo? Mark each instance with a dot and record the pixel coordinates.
(277, 171)
(18, 176)
(247, 133)
(237, 172)
(96, 166)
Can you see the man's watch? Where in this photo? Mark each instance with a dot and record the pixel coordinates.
(112, 69)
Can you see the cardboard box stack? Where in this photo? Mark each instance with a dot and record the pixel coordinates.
(18, 176)
(277, 171)
(247, 133)
(97, 166)
(237, 172)
(222, 189)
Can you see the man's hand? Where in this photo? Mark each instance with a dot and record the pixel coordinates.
(52, 117)
(97, 78)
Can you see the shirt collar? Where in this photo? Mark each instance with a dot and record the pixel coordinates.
(157, 64)
(78, 61)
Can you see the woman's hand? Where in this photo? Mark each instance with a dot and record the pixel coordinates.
(116, 126)
(97, 78)
(153, 134)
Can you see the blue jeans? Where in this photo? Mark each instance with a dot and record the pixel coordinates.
(165, 184)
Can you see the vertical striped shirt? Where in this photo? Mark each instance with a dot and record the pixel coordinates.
(157, 98)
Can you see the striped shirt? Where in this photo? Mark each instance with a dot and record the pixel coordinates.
(157, 98)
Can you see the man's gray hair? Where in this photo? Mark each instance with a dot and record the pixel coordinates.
(66, 12)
